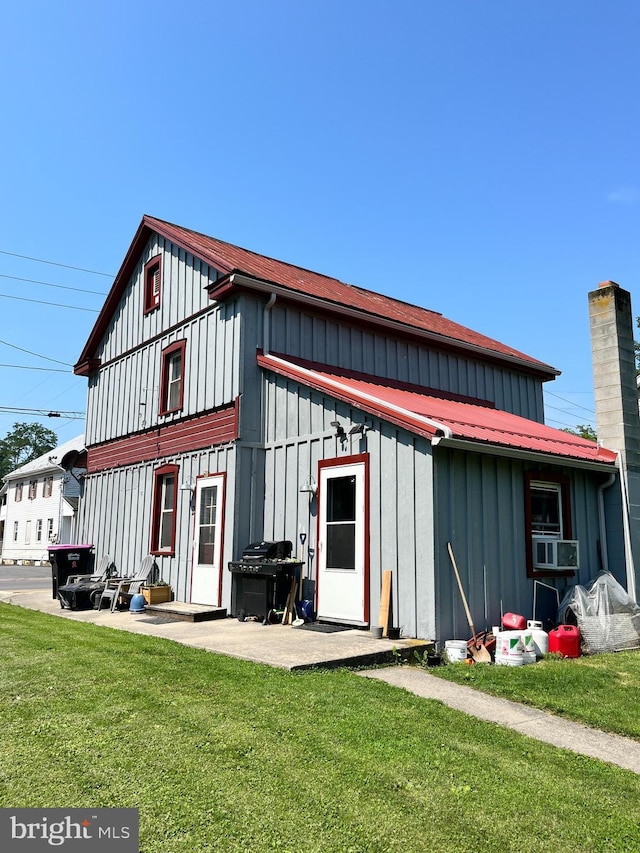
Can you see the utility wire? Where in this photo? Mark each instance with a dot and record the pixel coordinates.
(49, 284)
(29, 352)
(53, 304)
(55, 264)
(26, 367)
(573, 405)
(75, 416)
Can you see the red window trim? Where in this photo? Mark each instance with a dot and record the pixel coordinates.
(167, 352)
(567, 524)
(47, 487)
(150, 302)
(158, 476)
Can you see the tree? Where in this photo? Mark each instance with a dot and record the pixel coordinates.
(24, 443)
(584, 431)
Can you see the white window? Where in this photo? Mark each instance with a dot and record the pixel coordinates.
(15, 531)
(27, 533)
(39, 530)
(49, 529)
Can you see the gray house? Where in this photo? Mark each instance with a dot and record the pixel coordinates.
(233, 398)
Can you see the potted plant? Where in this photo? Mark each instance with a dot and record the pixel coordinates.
(156, 593)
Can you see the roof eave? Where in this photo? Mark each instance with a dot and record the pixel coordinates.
(231, 284)
(522, 454)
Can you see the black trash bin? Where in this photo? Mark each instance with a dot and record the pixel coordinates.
(69, 560)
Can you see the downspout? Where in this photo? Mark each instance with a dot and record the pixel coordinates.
(601, 520)
(631, 575)
(266, 325)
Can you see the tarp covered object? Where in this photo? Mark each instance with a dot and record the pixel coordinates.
(608, 618)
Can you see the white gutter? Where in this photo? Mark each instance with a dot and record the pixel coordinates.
(362, 395)
(631, 573)
(601, 521)
(266, 331)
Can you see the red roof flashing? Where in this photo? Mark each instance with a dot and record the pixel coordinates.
(430, 415)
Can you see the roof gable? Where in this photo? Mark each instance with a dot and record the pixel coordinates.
(301, 285)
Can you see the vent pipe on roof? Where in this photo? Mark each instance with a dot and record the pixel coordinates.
(616, 401)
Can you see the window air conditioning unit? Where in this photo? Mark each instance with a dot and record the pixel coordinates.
(555, 553)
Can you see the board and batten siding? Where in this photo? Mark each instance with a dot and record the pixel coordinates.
(480, 509)
(115, 514)
(124, 395)
(319, 339)
(183, 294)
(297, 436)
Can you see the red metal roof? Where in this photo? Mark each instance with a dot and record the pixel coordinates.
(299, 283)
(431, 416)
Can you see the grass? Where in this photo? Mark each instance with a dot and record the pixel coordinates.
(599, 690)
(224, 755)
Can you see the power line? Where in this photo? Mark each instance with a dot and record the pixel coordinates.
(26, 367)
(570, 403)
(37, 355)
(52, 304)
(49, 284)
(75, 416)
(55, 264)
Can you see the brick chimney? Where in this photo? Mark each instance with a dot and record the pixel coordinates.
(616, 400)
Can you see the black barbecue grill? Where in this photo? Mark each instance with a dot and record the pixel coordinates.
(262, 579)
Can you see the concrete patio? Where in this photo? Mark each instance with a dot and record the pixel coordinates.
(281, 646)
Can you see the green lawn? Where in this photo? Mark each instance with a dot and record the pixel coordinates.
(224, 755)
(599, 690)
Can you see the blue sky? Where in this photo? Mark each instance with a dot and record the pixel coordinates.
(479, 159)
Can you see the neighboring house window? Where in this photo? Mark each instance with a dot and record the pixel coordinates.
(39, 530)
(27, 533)
(49, 529)
(163, 526)
(18, 491)
(152, 281)
(15, 531)
(547, 520)
(33, 488)
(172, 378)
(47, 487)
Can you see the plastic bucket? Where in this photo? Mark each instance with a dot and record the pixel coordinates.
(455, 650)
(509, 649)
(137, 603)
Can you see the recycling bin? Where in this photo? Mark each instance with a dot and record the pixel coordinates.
(69, 560)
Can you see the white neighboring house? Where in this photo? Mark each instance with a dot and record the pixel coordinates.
(41, 503)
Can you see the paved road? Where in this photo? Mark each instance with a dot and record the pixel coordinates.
(24, 577)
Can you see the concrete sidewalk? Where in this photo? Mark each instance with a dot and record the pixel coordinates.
(622, 751)
(296, 649)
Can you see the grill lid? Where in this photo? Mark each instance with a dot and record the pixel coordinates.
(268, 550)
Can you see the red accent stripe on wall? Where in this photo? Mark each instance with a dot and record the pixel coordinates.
(218, 427)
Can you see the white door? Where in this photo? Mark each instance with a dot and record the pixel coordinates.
(205, 574)
(342, 570)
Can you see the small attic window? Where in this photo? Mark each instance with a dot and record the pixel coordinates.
(152, 283)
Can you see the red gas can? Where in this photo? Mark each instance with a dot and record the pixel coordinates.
(565, 640)
(514, 622)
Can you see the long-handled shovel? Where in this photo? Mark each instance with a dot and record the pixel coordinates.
(479, 651)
